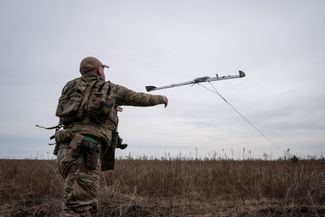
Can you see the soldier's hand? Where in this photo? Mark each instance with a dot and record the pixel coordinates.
(119, 109)
(165, 101)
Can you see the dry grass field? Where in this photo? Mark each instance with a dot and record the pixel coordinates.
(174, 188)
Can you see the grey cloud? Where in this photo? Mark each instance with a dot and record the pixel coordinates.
(279, 44)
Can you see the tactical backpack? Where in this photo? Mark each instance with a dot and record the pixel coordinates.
(83, 98)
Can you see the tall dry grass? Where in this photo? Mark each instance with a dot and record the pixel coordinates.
(208, 179)
(23, 179)
(36, 181)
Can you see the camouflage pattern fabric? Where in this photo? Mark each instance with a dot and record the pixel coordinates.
(118, 96)
(80, 183)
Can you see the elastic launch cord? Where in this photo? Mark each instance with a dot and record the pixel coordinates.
(215, 91)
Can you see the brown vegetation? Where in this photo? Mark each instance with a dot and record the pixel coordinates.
(174, 188)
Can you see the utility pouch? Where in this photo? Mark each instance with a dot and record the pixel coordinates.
(71, 101)
(91, 152)
(99, 104)
(75, 142)
(56, 149)
(108, 158)
(61, 136)
(115, 139)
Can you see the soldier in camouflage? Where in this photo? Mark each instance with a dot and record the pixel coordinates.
(85, 146)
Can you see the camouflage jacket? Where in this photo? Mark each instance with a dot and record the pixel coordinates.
(118, 96)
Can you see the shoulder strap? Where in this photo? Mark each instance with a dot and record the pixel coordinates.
(87, 93)
(105, 90)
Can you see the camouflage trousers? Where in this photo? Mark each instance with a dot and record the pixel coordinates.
(80, 183)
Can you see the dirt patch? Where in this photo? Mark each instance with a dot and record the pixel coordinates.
(127, 206)
(32, 207)
(297, 211)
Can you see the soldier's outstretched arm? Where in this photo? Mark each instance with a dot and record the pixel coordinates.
(125, 96)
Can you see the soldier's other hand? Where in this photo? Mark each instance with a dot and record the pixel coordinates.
(165, 101)
(119, 109)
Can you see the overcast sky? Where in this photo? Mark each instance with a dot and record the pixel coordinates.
(279, 44)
